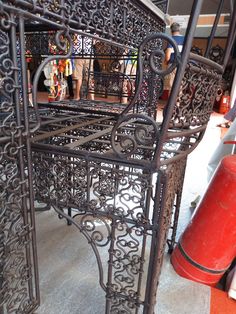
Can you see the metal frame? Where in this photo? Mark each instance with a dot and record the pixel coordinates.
(116, 173)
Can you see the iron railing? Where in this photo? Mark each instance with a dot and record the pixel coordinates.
(113, 170)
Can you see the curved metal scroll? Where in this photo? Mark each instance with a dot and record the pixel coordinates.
(131, 132)
(150, 51)
(143, 129)
(87, 226)
(192, 109)
(64, 43)
(19, 291)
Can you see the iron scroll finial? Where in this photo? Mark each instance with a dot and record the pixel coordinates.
(151, 49)
(64, 42)
(143, 131)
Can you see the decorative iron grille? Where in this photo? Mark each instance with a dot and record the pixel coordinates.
(117, 165)
(161, 4)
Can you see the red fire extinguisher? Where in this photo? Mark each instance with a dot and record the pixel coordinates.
(207, 247)
(224, 103)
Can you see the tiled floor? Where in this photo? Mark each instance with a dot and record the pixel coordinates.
(68, 273)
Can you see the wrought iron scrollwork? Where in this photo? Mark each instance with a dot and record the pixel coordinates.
(197, 95)
(142, 129)
(17, 273)
(116, 173)
(63, 42)
(150, 73)
(112, 213)
(131, 132)
(216, 54)
(123, 21)
(89, 224)
(197, 50)
(193, 107)
(161, 4)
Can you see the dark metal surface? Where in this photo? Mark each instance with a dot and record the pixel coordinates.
(19, 291)
(161, 4)
(217, 17)
(124, 22)
(216, 54)
(231, 36)
(114, 171)
(90, 163)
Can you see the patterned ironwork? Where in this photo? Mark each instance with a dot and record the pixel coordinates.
(197, 50)
(112, 209)
(216, 54)
(193, 108)
(119, 184)
(151, 74)
(161, 4)
(43, 44)
(121, 21)
(114, 171)
(18, 270)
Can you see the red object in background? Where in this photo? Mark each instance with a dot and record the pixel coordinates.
(207, 247)
(51, 98)
(28, 56)
(165, 94)
(230, 142)
(224, 106)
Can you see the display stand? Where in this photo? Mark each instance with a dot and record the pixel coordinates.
(114, 171)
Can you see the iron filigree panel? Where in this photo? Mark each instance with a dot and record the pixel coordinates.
(122, 21)
(113, 172)
(161, 4)
(18, 265)
(113, 207)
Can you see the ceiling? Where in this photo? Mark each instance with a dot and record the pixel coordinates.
(178, 8)
(181, 7)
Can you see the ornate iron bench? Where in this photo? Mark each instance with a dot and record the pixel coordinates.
(120, 176)
(117, 171)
